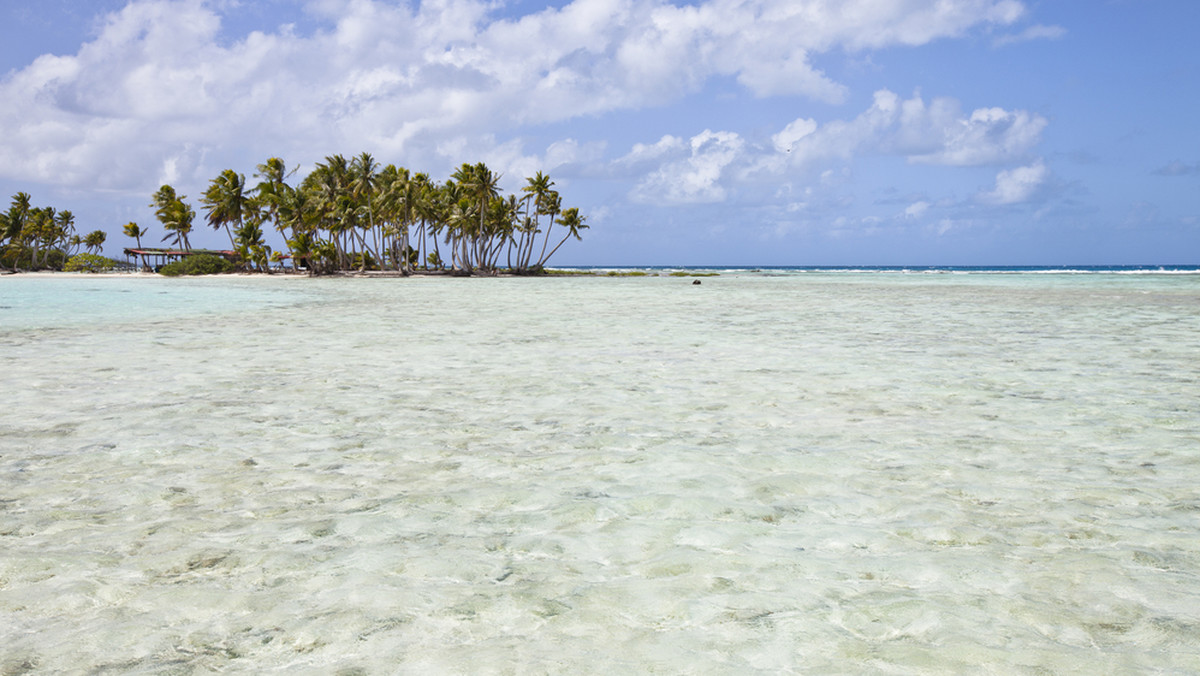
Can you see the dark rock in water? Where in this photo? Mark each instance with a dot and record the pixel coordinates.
(695, 282)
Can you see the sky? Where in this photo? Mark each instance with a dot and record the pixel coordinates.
(710, 132)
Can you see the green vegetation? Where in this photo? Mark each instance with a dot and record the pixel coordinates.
(175, 215)
(347, 214)
(36, 238)
(198, 264)
(353, 214)
(90, 262)
(685, 273)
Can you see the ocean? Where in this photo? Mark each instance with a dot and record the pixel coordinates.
(861, 471)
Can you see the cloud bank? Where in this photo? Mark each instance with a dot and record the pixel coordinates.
(705, 167)
(168, 90)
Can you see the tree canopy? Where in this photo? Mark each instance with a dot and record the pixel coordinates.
(346, 214)
(356, 214)
(37, 238)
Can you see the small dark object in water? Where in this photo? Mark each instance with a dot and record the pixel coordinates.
(695, 282)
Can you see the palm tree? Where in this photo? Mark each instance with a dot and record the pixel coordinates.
(425, 208)
(334, 210)
(4, 234)
(502, 223)
(573, 222)
(481, 186)
(550, 205)
(400, 195)
(435, 210)
(65, 223)
(538, 189)
(271, 191)
(73, 244)
(301, 245)
(418, 189)
(132, 230)
(250, 245)
(13, 225)
(175, 215)
(353, 213)
(94, 241)
(364, 179)
(225, 202)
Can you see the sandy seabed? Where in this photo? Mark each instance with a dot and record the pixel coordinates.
(762, 474)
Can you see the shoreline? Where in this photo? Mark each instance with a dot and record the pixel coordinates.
(377, 274)
(663, 271)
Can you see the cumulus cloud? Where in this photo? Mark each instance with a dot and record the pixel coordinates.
(988, 136)
(166, 89)
(705, 168)
(934, 133)
(792, 133)
(1017, 185)
(696, 177)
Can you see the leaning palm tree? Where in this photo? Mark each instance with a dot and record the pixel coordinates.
(175, 215)
(73, 244)
(132, 230)
(538, 189)
(225, 202)
(550, 205)
(94, 241)
(65, 222)
(573, 222)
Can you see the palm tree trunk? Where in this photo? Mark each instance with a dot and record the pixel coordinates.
(545, 241)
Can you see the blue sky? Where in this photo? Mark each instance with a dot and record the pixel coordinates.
(723, 132)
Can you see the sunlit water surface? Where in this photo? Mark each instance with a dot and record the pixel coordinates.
(806, 473)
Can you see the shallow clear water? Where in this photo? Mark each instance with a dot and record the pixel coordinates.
(817, 473)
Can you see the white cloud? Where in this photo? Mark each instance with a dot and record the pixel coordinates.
(792, 133)
(705, 168)
(988, 136)
(644, 157)
(936, 133)
(1017, 185)
(695, 178)
(164, 79)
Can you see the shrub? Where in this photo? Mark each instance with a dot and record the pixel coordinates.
(89, 262)
(200, 264)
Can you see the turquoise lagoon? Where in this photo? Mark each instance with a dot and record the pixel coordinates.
(769, 472)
